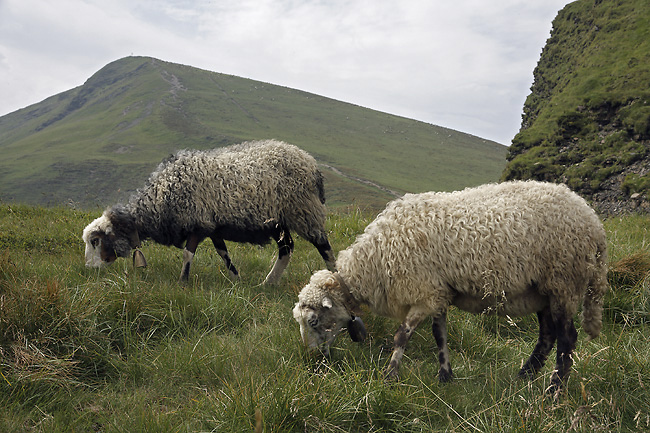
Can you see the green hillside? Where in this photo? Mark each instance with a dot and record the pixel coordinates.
(587, 119)
(94, 144)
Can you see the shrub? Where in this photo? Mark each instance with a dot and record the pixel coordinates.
(634, 183)
(637, 120)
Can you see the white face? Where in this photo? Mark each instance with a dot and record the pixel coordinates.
(319, 328)
(314, 334)
(93, 255)
(321, 315)
(92, 236)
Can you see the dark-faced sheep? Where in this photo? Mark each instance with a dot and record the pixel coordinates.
(251, 192)
(514, 248)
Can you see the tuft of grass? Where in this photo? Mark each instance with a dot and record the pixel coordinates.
(630, 270)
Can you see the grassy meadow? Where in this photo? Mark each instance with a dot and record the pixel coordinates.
(125, 350)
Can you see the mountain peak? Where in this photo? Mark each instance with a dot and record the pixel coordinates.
(97, 142)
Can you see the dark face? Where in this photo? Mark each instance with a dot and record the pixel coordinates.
(100, 252)
(99, 246)
(104, 244)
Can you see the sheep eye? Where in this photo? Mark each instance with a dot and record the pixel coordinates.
(313, 322)
(94, 242)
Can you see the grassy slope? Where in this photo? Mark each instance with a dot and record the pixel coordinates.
(95, 143)
(120, 350)
(587, 117)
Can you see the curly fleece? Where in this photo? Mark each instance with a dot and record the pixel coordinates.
(246, 187)
(512, 247)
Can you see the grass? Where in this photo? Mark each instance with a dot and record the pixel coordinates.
(123, 349)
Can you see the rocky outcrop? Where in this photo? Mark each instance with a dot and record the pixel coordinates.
(586, 122)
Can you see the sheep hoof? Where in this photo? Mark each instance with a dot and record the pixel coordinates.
(554, 390)
(527, 373)
(445, 376)
(391, 375)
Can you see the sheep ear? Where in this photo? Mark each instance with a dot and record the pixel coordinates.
(357, 329)
(327, 302)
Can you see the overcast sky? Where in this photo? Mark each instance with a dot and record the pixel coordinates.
(462, 64)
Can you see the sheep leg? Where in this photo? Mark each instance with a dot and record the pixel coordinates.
(402, 337)
(220, 246)
(567, 336)
(325, 250)
(285, 249)
(193, 241)
(545, 342)
(439, 327)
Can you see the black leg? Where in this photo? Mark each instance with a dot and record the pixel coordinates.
(545, 342)
(325, 250)
(439, 327)
(285, 244)
(285, 249)
(193, 241)
(220, 246)
(567, 336)
(402, 337)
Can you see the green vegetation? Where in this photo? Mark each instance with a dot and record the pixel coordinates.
(95, 143)
(123, 349)
(587, 118)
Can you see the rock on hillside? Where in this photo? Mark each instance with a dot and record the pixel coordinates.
(587, 120)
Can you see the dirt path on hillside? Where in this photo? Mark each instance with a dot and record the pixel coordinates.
(361, 180)
(234, 101)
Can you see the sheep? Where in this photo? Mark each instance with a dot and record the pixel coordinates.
(249, 192)
(514, 248)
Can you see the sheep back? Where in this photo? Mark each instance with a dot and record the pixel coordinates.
(246, 188)
(516, 241)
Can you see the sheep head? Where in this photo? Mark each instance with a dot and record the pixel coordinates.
(110, 236)
(322, 314)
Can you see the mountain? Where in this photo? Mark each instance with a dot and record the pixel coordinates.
(94, 144)
(586, 121)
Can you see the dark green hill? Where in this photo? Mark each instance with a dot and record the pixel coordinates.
(94, 144)
(587, 119)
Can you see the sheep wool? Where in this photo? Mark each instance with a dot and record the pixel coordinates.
(513, 248)
(250, 192)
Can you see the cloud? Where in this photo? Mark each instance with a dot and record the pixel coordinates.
(465, 64)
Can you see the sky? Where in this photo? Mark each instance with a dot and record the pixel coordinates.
(461, 64)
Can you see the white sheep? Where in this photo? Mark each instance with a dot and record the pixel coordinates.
(513, 248)
(250, 192)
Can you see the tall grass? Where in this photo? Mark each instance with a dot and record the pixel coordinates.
(123, 349)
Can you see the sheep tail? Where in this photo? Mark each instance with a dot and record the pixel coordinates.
(592, 308)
